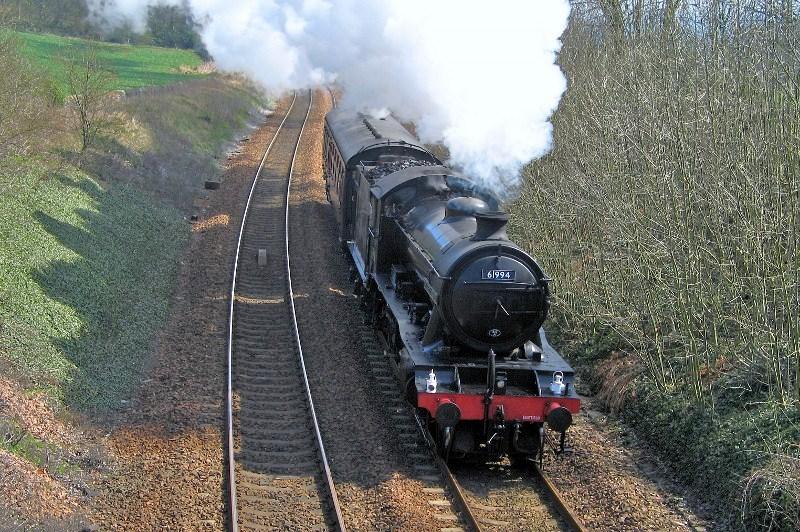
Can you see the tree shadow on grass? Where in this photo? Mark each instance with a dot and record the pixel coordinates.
(187, 127)
(118, 286)
(168, 171)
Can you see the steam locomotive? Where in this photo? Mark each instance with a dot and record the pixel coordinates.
(459, 306)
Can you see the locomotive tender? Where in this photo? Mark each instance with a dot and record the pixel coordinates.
(458, 306)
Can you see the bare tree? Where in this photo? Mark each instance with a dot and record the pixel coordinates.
(23, 101)
(671, 197)
(615, 19)
(668, 15)
(89, 83)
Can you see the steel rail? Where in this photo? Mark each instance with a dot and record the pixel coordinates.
(450, 480)
(561, 505)
(564, 510)
(234, 514)
(333, 95)
(323, 457)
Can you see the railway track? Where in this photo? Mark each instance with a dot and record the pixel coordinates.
(501, 497)
(498, 496)
(278, 473)
(485, 496)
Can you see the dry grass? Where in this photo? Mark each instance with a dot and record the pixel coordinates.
(169, 141)
(771, 496)
(619, 380)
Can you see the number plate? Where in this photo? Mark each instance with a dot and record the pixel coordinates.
(498, 275)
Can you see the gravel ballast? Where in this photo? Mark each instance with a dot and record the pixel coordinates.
(168, 446)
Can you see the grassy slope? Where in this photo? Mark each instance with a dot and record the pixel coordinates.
(205, 114)
(88, 255)
(135, 66)
(86, 275)
(173, 140)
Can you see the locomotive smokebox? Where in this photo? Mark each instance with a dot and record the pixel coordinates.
(498, 297)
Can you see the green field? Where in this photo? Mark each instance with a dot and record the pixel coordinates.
(134, 66)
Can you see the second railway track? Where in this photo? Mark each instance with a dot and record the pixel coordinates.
(279, 476)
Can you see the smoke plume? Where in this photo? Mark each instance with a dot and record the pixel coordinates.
(478, 76)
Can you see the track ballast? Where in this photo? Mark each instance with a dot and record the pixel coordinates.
(279, 476)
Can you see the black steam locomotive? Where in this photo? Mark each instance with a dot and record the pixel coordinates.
(458, 305)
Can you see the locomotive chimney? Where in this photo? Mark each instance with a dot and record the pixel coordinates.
(491, 225)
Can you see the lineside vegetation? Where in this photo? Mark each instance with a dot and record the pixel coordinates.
(95, 189)
(94, 194)
(668, 214)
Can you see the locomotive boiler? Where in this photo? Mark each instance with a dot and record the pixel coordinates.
(458, 305)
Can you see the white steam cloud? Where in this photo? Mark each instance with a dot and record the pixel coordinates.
(478, 76)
